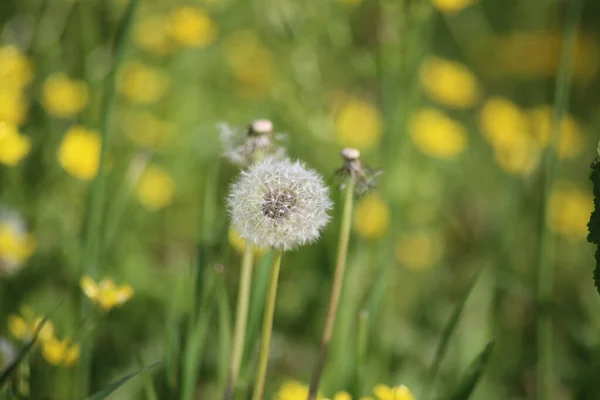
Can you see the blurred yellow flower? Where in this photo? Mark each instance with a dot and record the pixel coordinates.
(13, 105)
(192, 26)
(437, 135)
(342, 396)
(64, 97)
(383, 392)
(371, 217)
(79, 152)
(570, 142)
(358, 125)
(519, 156)
(13, 145)
(155, 188)
(144, 129)
(105, 293)
(151, 34)
(16, 247)
(449, 83)
(501, 120)
(60, 352)
(142, 84)
(569, 209)
(293, 390)
(251, 63)
(451, 5)
(24, 326)
(239, 244)
(16, 70)
(418, 251)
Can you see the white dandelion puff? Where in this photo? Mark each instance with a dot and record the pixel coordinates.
(279, 204)
(241, 146)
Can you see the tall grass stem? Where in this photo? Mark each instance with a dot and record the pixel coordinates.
(336, 289)
(267, 328)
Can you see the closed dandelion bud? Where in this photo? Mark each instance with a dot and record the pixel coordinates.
(279, 204)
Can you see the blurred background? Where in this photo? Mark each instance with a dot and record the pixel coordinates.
(451, 99)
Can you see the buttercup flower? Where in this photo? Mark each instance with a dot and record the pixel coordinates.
(569, 210)
(60, 352)
(16, 70)
(570, 141)
(372, 217)
(141, 84)
(13, 105)
(155, 188)
(144, 129)
(105, 293)
(279, 204)
(79, 152)
(257, 141)
(192, 26)
(501, 121)
(64, 97)
(13, 145)
(451, 5)
(23, 326)
(449, 83)
(151, 34)
(383, 392)
(294, 390)
(418, 251)
(358, 124)
(437, 135)
(16, 245)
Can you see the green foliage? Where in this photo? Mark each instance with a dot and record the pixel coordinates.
(110, 389)
(594, 224)
(471, 378)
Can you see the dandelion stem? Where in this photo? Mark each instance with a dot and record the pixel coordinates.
(265, 340)
(241, 318)
(336, 289)
(545, 267)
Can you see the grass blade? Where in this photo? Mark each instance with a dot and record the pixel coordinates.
(473, 374)
(445, 339)
(107, 391)
(224, 317)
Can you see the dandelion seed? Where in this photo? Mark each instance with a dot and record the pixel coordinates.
(279, 204)
(243, 147)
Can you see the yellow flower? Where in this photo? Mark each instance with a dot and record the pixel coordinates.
(501, 120)
(64, 97)
(192, 26)
(155, 188)
(239, 243)
(383, 392)
(79, 152)
(151, 34)
(293, 390)
(15, 247)
(451, 5)
(144, 129)
(570, 142)
(13, 145)
(106, 294)
(418, 251)
(437, 135)
(372, 217)
(569, 211)
(13, 105)
(23, 326)
(449, 83)
(342, 396)
(520, 156)
(142, 84)
(358, 125)
(59, 352)
(16, 70)
(251, 63)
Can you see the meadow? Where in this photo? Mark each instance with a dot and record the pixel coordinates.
(152, 225)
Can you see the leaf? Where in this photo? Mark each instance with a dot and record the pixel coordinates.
(473, 374)
(445, 339)
(594, 224)
(107, 391)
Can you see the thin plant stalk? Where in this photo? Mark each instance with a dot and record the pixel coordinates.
(267, 328)
(336, 289)
(241, 318)
(546, 255)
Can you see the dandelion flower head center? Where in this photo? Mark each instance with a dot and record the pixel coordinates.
(278, 204)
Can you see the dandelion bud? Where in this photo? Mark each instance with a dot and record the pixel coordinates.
(350, 154)
(261, 127)
(279, 204)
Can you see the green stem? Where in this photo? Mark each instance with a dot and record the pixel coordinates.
(241, 318)
(545, 267)
(265, 340)
(336, 290)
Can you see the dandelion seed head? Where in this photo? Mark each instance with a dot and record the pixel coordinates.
(350, 154)
(243, 147)
(279, 204)
(261, 126)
